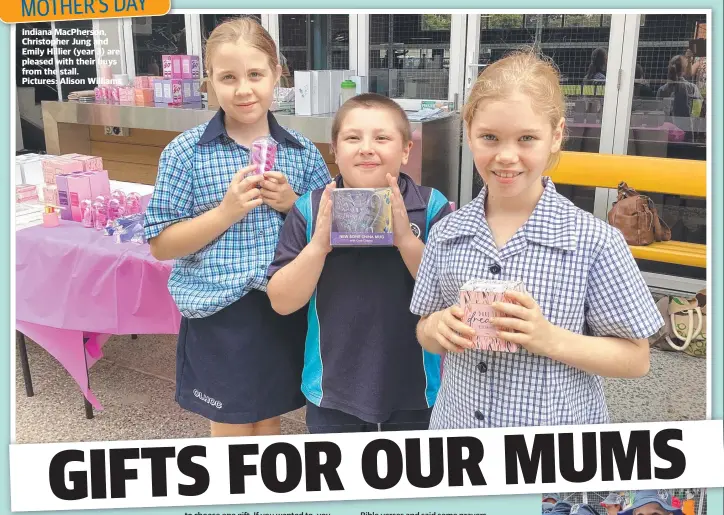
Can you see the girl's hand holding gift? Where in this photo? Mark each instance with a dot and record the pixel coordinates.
(277, 193)
(242, 195)
(448, 330)
(525, 324)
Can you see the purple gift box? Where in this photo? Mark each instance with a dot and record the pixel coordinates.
(361, 217)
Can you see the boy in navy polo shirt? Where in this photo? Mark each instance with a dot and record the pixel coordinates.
(363, 368)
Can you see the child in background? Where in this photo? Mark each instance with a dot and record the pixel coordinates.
(238, 363)
(363, 368)
(587, 312)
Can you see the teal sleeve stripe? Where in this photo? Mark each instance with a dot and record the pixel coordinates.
(431, 363)
(312, 373)
(436, 202)
(304, 204)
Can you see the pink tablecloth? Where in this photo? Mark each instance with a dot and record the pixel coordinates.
(72, 281)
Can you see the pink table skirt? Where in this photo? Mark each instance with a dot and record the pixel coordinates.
(72, 282)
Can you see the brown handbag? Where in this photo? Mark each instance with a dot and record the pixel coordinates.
(635, 215)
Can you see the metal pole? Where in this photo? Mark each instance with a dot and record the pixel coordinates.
(20, 342)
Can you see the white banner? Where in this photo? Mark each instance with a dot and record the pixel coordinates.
(224, 471)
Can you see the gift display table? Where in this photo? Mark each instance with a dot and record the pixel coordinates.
(75, 287)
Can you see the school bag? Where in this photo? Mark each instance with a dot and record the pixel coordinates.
(685, 324)
(635, 215)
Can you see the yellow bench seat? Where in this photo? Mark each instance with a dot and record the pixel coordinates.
(646, 174)
(674, 252)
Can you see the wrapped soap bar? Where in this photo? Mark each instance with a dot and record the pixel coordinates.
(476, 299)
(361, 217)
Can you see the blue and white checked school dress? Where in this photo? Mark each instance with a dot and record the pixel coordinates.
(237, 361)
(584, 278)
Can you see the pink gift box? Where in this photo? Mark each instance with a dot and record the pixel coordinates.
(144, 95)
(26, 192)
(99, 183)
(476, 299)
(177, 95)
(58, 165)
(167, 61)
(126, 95)
(177, 66)
(89, 162)
(79, 189)
(142, 82)
(61, 182)
(50, 195)
(186, 67)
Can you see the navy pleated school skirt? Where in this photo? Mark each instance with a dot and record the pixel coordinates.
(242, 364)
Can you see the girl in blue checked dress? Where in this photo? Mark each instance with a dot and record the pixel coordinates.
(238, 362)
(587, 312)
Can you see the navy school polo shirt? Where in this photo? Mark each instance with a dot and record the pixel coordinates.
(361, 354)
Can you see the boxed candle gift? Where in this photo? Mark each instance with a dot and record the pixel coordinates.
(361, 217)
(476, 299)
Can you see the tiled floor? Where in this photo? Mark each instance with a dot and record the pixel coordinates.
(135, 384)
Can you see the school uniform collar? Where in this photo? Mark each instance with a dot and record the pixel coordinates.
(552, 224)
(410, 192)
(216, 128)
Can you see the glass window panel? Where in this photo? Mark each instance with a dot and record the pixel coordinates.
(314, 42)
(154, 36)
(68, 63)
(668, 117)
(578, 44)
(409, 55)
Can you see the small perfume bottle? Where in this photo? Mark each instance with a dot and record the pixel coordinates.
(120, 196)
(100, 215)
(115, 210)
(133, 203)
(86, 213)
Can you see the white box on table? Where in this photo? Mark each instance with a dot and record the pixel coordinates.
(335, 89)
(362, 82)
(303, 93)
(320, 92)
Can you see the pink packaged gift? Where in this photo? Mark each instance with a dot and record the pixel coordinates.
(195, 66)
(167, 66)
(58, 165)
(89, 162)
(186, 67)
(177, 95)
(50, 195)
(177, 66)
(476, 299)
(143, 95)
(78, 190)
(126, 95)
(263, 153)
(99, 183)
(142, 82)
(61, 182)
(26, 192)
